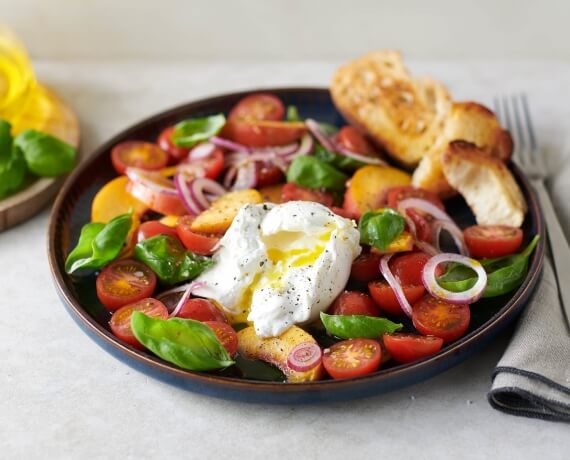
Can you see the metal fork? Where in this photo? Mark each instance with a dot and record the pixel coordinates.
(514, 114)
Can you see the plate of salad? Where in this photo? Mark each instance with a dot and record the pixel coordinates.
(255, 246)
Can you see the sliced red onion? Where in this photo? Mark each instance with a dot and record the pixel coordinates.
(201, 151)
(466, 297)
(395, 284)
(306, 146)
(455, 233)
(320, 135)
(304, 357)
(227, 144)
(188, 290)
(189, 202)
(282, 150)
(426, 247)
(366, 159)
(152, 180)
(199, 187)
(230, 176)
(246, 177)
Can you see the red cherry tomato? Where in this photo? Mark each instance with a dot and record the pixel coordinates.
(176, 153)
(123, 282)
(423, 223)
(408, 267)
(354, 303)
(352, 139)
(396, 194)
(366, 267)
(263, 133)
(294, 192)
(121, 320)
(210, 167)
(487, 241)
(225, 334)
(345, 213)
(193, 241)
(384, 296)
(163, 202)
(201, 310)
(437, 317)
(352, 358)
(152, 228)
(268, 175)
(138, 154)
(407, 348)
(258, 107)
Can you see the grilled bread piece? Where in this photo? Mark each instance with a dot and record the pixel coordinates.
(486, 184)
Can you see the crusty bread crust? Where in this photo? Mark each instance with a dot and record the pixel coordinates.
(486, 184)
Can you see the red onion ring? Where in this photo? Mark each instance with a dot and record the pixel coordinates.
(304, 357)
(246, 177)
(227, 144)
(278, 150)
(189, 202)
(152, 180)
(306, 146)
(188, 290)
(426, 247)
(466, 297)
(395, 285)
(455, 233)
(320, 135)
(230, 176)
(201, 151)
(369, 160)
(199, 187)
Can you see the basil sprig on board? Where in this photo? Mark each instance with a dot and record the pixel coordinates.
(45, 155)
(171, 262)
(12, 163)
(504, 274)
(187, 343)
(379, 228)
(99, 244)
(358, 326)
(188, 133)
(310, 172)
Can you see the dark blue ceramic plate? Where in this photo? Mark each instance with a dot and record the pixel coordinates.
(72, 210)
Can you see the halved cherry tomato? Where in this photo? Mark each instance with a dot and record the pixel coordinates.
(384, 296)
(152, 228)
(345, 213)
(263, 133)
(396, 194)
(201, 310)
(163, 202)
(123, 282)
(423, 223)
(366, 267)
(138, 154)
(406, 348)
(352, 358)
(408, 267)
(487, 241)
(121, 320)
(177, 154)
(194, 241)
(225, 334)
(437, 317)
(354, 303)
(268, 175)
(210, 167)
(294, 192)
(258, 107)
(352, 139)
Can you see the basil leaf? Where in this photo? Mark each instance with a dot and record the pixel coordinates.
(13, 171)
(311, 172)
(171, 262)
(358, 326)
(188, 133)
(45, 155)
(380, 228)
(99, 244)
(292, 113)
(504, 274)
(5, 140)
(337, 160)
(187, 343)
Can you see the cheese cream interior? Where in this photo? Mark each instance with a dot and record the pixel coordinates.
(280, 265)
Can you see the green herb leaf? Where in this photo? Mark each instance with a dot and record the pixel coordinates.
(293, 113)
(311, 172)
(5, 140)
(338, 161)
(187, 343)
(99, 244)
(380, 228)
(504, 274)
(188, 133)
(358, 326)
(171, 262)
(328, 129)
(45, 155)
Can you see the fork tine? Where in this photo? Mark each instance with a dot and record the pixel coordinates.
(497, 110)
(524, 155)
(530, 129)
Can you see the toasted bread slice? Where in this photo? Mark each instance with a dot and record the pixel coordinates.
(486, 184)
(402, 114)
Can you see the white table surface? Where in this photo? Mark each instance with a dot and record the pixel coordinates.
(61, 396)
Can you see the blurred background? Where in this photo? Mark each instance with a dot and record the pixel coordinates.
(289, 29)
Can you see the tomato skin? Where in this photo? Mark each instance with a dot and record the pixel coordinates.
(408, 267)
(396, 194)
(143, 155)
(354, 303)
(176, 153)
(152, 228)
(210, 167)
(488, 241)
(407, 348)
(193, 241)
(352, 358)
(123, 282)
(258, 107)
(424, 229)
(294, 192)
(345, 213)
(366, 267)
(161, 202)
(201, 310)
(225, 334)
(263, 133)
(268, 175)
(448, 321)
(384, 296)
(120, 322)
(352, 139)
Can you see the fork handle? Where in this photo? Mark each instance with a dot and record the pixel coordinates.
(559, 248)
